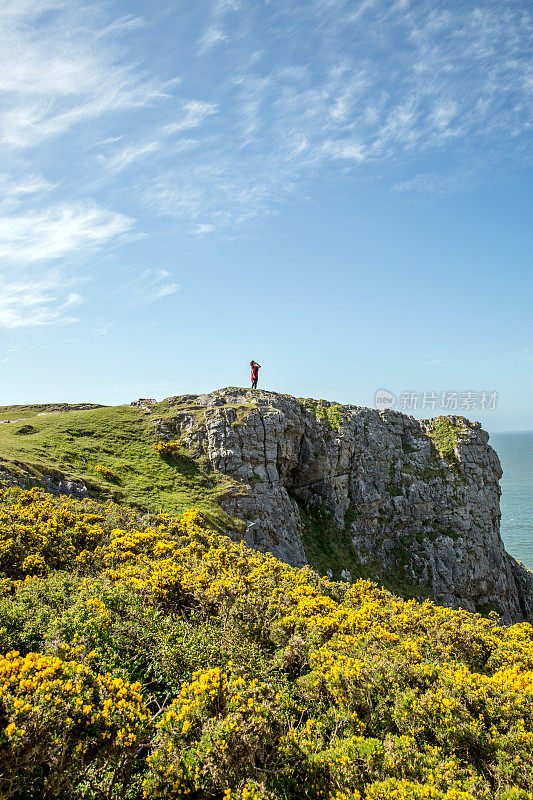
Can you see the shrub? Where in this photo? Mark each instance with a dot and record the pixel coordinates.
(211, 670)
(218, 734)
(167, 448)
(63, 724)
(106, 473)
(38, 533)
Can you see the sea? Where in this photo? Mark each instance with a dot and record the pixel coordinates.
(516, 455)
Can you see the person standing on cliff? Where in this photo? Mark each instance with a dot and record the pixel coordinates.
(255, 367)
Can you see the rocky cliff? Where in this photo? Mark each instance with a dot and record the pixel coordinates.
(359, 492)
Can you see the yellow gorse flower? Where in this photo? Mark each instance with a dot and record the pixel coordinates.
(365, 696)
(167, 448)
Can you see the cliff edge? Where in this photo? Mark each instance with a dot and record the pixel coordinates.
(359, 492)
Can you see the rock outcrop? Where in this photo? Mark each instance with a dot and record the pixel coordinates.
(355, 491)
(55, 486)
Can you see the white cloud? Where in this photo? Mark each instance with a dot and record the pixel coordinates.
(59, 231)
(223, 6)
(375, 89)
(162, 291)
(57, 74)
(131, 154)
(444, 112)
(15, 187)
(148, 286)
(434, 184)
(35, 303)
(101, 330)
(27, 9)
(351, 151)
(202, 228)
(217, 196)
(378, 84)
(195, 112)
(212, 37)
(164, 142)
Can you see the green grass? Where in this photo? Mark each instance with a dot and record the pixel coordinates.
(70, 445)
(329, 415)
(168, 408)
(446, 434)
(29, 411)
(328, 546)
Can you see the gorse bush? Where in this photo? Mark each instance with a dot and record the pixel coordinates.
(218, 731)
(167, 448)
(65, 718)
(106, 473)
(157, 658)
(38, 534)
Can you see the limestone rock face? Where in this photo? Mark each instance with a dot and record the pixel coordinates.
(54, 486)
(409, 505)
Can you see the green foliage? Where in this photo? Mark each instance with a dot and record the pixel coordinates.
(119, 440)
(106, 473)
(329, 415)
(148, 658)
(168, 449)
(446, 433)
(326, 544)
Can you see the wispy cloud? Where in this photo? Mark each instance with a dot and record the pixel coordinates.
(14, 187)
(102, 329)
(64, 69)
(59, 231)
(194, 112)
(125, 157)
(55, 75)
(164, 142)
(35, 303)
(433, 184)
(376, 87)
(212, 37)
(251, 104)
(148, 286)
(203, 228)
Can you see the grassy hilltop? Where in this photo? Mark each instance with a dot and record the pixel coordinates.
(55, 441)
(163, 660)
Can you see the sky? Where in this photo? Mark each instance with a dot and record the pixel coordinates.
(338, 189)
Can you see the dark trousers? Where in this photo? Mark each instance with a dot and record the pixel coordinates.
(254, 383)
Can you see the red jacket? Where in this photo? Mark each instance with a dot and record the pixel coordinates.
(255, 372)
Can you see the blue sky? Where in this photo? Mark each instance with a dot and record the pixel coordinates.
(340, 190)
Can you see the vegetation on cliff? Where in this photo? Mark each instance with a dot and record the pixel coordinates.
(157, 658)
(446, 433)
(330, 415)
